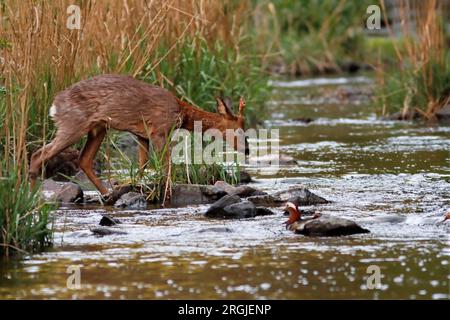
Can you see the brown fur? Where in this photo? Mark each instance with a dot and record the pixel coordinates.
(91, 107)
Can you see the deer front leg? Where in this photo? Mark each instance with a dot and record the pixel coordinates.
(143, 152)
(86, 160)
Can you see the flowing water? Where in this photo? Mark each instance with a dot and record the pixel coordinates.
(391, 177)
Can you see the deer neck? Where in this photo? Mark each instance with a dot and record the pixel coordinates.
(191, 114)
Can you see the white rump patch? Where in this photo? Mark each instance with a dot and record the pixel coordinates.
(52, 111)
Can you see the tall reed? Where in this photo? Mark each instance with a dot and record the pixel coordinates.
(148, 39)
(421, 83)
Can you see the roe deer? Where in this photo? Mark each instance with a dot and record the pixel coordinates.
(123, 103)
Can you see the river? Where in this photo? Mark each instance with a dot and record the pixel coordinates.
(391, 177)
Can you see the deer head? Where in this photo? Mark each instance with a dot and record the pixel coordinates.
(234, 122)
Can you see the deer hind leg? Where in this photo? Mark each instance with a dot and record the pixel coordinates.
(87, 156)
(62, 141)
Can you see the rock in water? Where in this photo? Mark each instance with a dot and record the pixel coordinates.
(261, 211)
(327, 227)
(228, 188)
(217, 208)
(241, 210)
(109, 221)
(443, 115)
(65, 192)
(232, 207)
(188, 194)
(243, 191)
(105, 231)
(131, 200)
(244, 177)
(299, 196)
(265, 200)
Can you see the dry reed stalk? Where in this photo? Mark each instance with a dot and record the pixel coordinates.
(43, 56)
(423, 47)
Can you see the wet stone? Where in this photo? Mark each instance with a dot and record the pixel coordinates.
(65, 192)
(108, 221)
(262, 211)
(217, 208)
(241, 210)
(300, 196)
(265, 200)
(189, 194)
(131, 200)
(106, 231)
(443, 115)
(242, 191)
(244, 177)
(327, 227)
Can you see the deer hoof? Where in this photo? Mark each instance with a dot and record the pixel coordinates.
(107, 199)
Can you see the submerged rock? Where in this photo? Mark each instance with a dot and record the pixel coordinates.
(232, 207)
(262, 211)
(443, 115)
(241, 210)
(105, 231)
(216, 229)
(131, 200)
(392, 218)
(217, 208)
(189, 194)
(228, 188)
(108, 221)
(299, 196)
(265, 200)
(244, 177)
(327, 227)
(65, 192)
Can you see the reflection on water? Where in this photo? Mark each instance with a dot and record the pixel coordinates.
(391, 177)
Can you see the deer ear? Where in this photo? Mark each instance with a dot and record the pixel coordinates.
(229, 104)
(222, 107)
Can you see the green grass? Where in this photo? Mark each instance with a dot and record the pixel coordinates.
(407, 88)
(122, 166)
(416, 80)
(24, 218)
(319, 36)
(202, 71)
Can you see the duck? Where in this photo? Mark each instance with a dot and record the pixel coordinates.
(446, 217)
(295, 221)
(319, 225)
